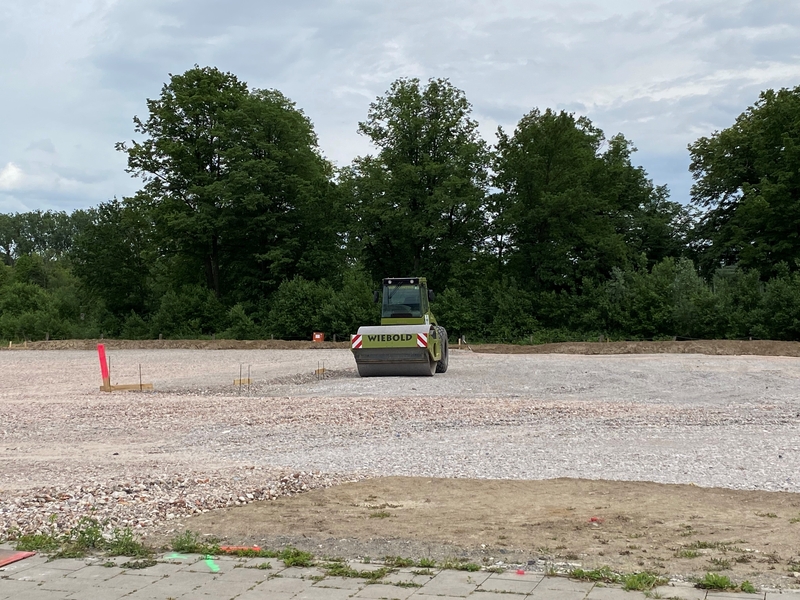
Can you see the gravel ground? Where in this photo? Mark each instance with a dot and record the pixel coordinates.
(197, 443)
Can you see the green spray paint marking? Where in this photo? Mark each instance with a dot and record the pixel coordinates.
(176, 555)
(211, 564)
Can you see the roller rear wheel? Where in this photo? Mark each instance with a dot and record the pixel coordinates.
(441, 366)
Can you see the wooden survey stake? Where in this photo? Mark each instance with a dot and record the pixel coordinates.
(105, 372)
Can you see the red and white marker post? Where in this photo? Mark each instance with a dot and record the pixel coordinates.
(101, 353)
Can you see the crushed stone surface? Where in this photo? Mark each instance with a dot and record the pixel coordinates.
(147, 460)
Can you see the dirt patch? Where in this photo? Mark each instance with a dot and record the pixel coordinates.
(178, 345)
(710, 347)
(678, 530)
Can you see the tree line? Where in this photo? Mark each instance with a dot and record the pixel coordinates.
(242, 228)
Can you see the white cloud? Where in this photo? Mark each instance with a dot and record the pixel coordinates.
(662, 72)
(10, 177)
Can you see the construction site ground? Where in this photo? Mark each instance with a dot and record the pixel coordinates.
(673, 457)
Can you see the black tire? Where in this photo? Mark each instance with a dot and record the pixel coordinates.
(441, 366)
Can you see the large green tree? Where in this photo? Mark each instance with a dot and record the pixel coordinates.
(572, 206)
(115, 253)
(747, 183)
(417, 206)
(50, 234)
(240, 191)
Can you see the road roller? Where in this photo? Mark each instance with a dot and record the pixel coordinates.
(408, 341)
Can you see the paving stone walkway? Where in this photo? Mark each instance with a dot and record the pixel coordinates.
(195, 577)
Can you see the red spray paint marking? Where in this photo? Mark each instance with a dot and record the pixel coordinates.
(520, 571)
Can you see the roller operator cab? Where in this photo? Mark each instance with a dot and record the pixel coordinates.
(408, 341)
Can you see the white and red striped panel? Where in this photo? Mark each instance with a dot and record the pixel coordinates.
(356, 341)
(422, 340)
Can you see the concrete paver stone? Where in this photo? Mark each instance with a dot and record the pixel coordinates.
(455, 583)
(342, 583)
(62, 584)
(12, 588)
(302, 572)
(93, 573)
(123, 581)
(323, 594)
(221, 589)
(157, 570)
(423, 596)
(259, 595)
(685, 592)
(35, 574)
(289, 585)
(276, 565)
(213, 565)
(614, 593)
(403, 577)
(380, 590)
(190, 577)
(244, 574)
(98, 593)
(556, 595)
(563, 584)
(40, 594)
(513, 586)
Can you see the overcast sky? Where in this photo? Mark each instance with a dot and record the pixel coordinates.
(73, 74)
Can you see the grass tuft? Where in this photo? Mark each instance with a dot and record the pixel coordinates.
(398, 561)
(292, 557)
(604, 574)
(715, 581)
(139, 564)
(642, 582)
(190, 542)
(340, 569)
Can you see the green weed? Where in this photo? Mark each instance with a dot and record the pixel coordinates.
(123, 543)
(642, 581)
(398, 561)
(604, 574)
(189, 542)
(292, 557)
(426, 563)
(721, 563)
(747, 587)
(37, 542)
(139, 564)
(460, 565)
(340, 569)
(715, 581)
(407, 584)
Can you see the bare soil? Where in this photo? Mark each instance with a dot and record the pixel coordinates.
(709, 347)
(681, 530)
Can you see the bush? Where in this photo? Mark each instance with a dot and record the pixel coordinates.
(135, 328)
(297, 308)
(241, 326)
(191, 311)
(350, 307)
